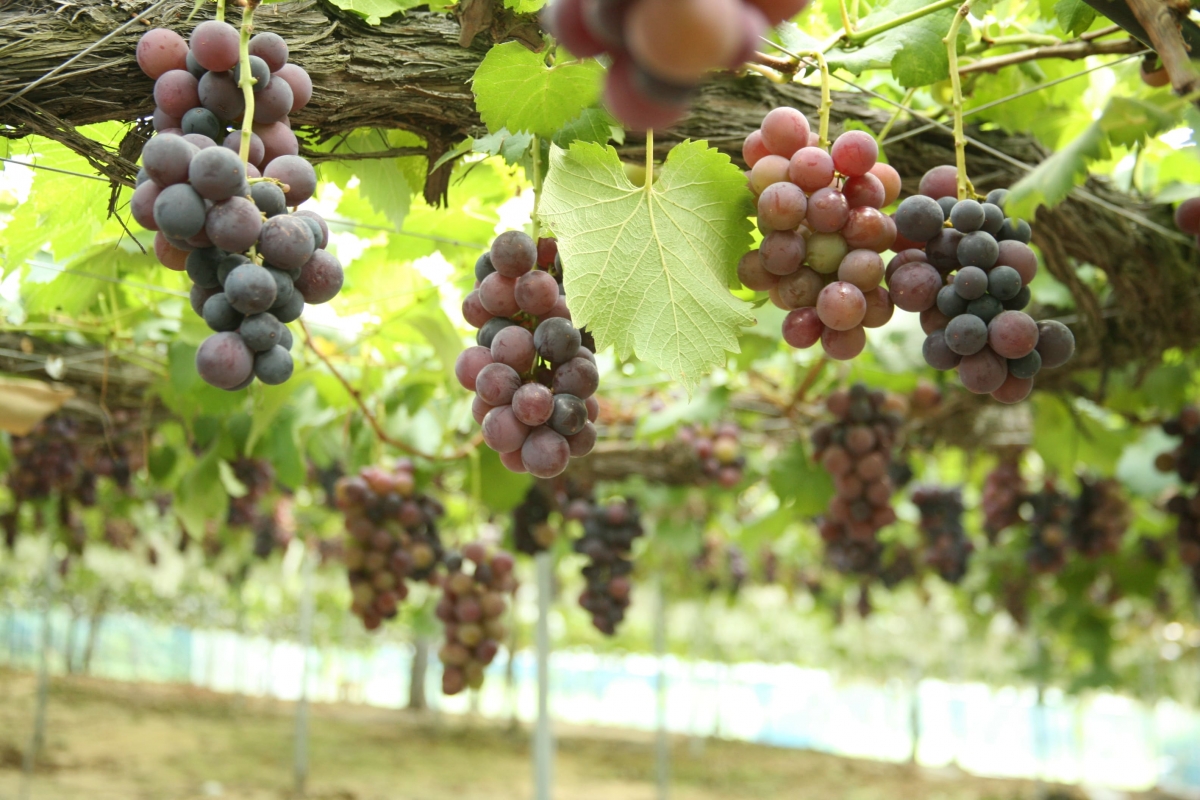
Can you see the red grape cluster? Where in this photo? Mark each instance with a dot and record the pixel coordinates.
(901, 564)
(661, 50)
(947, 547)
(393, 538)
(823, 231)
(225, 221)
(1049, 528)
(609, 531)
(719, 451)
(1185, 461)
(1003, 493)
(532, 371)
(966, 268)
(531, 529)
(474, 597)
(856, 450)
(721, 565)
(1102, 515)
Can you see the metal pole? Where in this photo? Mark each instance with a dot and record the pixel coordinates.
(38, 737)
(662, 747)
(306, 626)
(543, 737)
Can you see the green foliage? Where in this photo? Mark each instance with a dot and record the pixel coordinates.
(913, 51)
(516, 90)
(650, 265)
(1074, 16)
(375, 11)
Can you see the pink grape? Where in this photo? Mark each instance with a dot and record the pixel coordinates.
(768, 170)
(802, 328)
(468, 364)
(811, 168)
(901, 258)
(321, 278)
(864, 190)
(473, 311)
(863, 268)
(781, 206)
(841, 306)
(983, 372)
(273, 102)
(502, 431)
(271, 48)
(869, 228)
(533, 404)
(777, 11)
(176, 92)
(782, 252)
(914, 287)
(160, 50)
(564, 19)
(854, 153)
(828, 210)
(879, 308)
(1187, 215)
(215, 45)
(297, 174)
(1013, 390)
(843, 345)
(583, 442)
(753, 149)
(784, 131)
(479, 409)
(705, 34)
(752, 273)
(1012, 334)
(512, 462)
(168, 255)
(777, 300)
(536, 292)
(932, 319)
(1020, 257)
(800, 289)
(278, 140)
(545, 453)
(593, 408)
(300, 83)
(141, 205)
(497, 383)
(630, 105)
(497, 294)
(890, 179)
(514, 346)
(939, 182)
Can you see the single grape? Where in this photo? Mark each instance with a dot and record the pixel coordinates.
(1012, 334)
(219, 315)
(1026, 366)
(202, 121)
(160, 50)
(216, 173)
(202, 266)
(301, 83)
(843, 345)
(937, 352)
(271, 48)
(800, 289)
(469, 363)
(502, 431)
(869, 228)
(1015, 229)
(261, 332)
(235, 224)
(513, 254)
(319, 228)
(290, 310)
(570, 414)
(879, 308)
(919, 218)
(556, 340)
(826, 251)
(268, 198)
(705, 35)
(854, 153)
(1004, 283)
(942, 250)
(163, 121)
(514, 346)
(278, 140)
(1187, 214)
(497, 383)
(273, 366)
(784, 131)
(997, 197)
(578, 377)
(782, 252)
(233, 141)
(228, 263)
(513, 463)
(802, 328)
(828, 210)
(1020, 301)
(199, 140)
(286, 242)
(890, 179)
(583, 442)
(179, 211)
(950, 302)
(932, 319)
(939, 182)
(630, 105)
(864, 190)
(321, 278)
(193, 66)
(902, 258)
(753, 148)
(993, 218)
(218, 92)
(915, 286)
(1013, 390)
(215, 45)
(841, 306)
(223, 360)
(260, 73)
(497, 293)
(487, 331)
(967, 215)
(971, 283)
(593, 407)
(166, 158)
(1055, 344)
(863, 268)
(782, 206)
(545, 453)
(250, 289)
(811, 168)
(198, 296)
(978, 249)
(533, 404)
(536, 292)
(473, 311)
(966, 334)
(483, 266)
(273, 102)
(141, 204)
(767, 171)
(297, 175)
(986, 307)
(983, 372)
(753, 275)
(1019, 256)
(176, 92)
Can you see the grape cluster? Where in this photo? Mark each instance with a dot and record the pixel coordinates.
(225, 221)
(966, 268)
(1003, 493)
(719, 451)
(532, 371)
(531, 528)
(473, 600)
(1184, 460)
(609, 531)
(1102, 515)
(901, 564)
(856, 450)
(1049, 528)
(823, 231)
(947, 547)
(392, 538)
(721, 565)
(661, 50)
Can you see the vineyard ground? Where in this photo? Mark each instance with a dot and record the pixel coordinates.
(168, 742)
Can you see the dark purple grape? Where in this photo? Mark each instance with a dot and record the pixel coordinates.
(1020, 301)
(942, 250)
(202, 121)
(227, 264)
(1004, 283)
(1015, 229)
(202, 266)
(321, 278)
(971, 283)
(967, 216)
(268, 197)
(271, 48)
(273, 102)
(167, 157)
(949, 302)
(966, 334)
(234, 224)
(261, 74)
(556, 340)
(919, 218)
(582, 443)
(273, 366)
(220, 95)
(978, 249)
(570, 414)
(487, 332)
(1025, 367)
(937, 353)
(217, 174)
(261, 332)
(577, 377)
(179, 211)
(198, 295)
(317, 223)
(296, 174)
(1056, 343)
(982, 373)
(224, 360)
(483, 266)
(986, 307)
(286, 242)
(251, 289)
(291, 310)
(219, 314)
(285, 287)
(993, 218)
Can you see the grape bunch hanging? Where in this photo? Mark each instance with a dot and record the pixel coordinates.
(1184, 460)
(856, 450)
(609, 531)
(966, 268)
(661, 50)
(947, 548)
(823, 232)
(223, 218)
(532, 533)
(721, 565)
(1003, 494)
(474, 598)
(532, 371)
(392, 537)
(719, 451)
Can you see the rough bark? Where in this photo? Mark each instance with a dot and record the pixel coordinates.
(411, 72)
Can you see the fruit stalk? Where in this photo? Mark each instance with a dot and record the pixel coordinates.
(246, 82)
(649, 160)
(965, 189)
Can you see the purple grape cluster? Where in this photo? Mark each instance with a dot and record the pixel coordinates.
(533, 373)
(475, 595)
(947, 548)
(531, 528)
(1184, 460)
(609, 531)
(225, 221)
(721, 565)
(719, 450)
(1003, 493)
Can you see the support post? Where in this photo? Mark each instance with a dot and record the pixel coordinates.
(300, 763)
(38, 737)
(662, 744)
(543, 737)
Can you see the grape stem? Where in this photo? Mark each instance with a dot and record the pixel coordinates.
(246, 82)
(220, 10)
(965, 189)
(908, 96)
(826, 107)
(858, 37)
(649, 160)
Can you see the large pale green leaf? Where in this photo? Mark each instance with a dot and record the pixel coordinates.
(374, 11)
(649, 266)
(914, 51)
(514, 89)
(388, 184)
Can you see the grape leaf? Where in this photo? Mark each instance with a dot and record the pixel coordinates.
(1074, 16)
(514, 89)
(374, 11)
(649, 267)
(914, 51)
(593, 125)
(525, 6)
